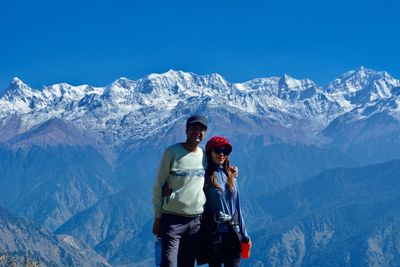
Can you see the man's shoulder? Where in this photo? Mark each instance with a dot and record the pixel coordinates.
(179, 149)
(175, 147)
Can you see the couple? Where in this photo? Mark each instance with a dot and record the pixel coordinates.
(189, 183)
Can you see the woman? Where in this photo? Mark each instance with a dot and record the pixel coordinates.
(222, 217)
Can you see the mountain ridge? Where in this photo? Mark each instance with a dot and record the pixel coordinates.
(19, 238)
(129, 110)
(341, 217)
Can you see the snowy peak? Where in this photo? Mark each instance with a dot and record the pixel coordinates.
(124, 83)
(19, 97)
(363, 85)
(18, 88)
(262, 86)
(186, 83)
(293, 89)
(289, 82)
(168, 82)
(216, 81)
(17, 83)
(119, 88)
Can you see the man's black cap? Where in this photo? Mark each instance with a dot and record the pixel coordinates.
(197, 119)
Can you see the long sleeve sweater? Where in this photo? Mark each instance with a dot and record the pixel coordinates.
(183, 170)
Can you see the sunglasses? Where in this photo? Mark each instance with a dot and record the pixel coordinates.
(223, 150)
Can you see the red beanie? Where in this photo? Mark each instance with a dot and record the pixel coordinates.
(217, 141)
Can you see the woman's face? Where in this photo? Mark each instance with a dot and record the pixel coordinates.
(219, 154)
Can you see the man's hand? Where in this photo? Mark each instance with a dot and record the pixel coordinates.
(166, 191)
(157, 227)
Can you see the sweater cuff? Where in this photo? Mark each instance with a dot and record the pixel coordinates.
(157, 214)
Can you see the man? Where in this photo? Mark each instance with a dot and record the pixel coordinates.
(177, 215)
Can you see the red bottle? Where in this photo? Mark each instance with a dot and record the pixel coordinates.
(246, 246)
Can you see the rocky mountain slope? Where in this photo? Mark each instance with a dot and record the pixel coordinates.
(22, 242)
(342, 217)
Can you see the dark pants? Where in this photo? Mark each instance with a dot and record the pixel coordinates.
(180, 238)
(225, 249)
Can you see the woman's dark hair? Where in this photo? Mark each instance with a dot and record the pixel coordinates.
(212, 178)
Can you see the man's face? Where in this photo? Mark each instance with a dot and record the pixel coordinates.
(195, 133)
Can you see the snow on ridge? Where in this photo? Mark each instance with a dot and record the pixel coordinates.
(291, 82)
(129, 108)
(355, 80)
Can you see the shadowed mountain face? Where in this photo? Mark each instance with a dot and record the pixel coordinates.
(342, 217)
(49, 173)
(50, 185)
(81, 160)
(372, 139)
(22, 242)
(117, 227)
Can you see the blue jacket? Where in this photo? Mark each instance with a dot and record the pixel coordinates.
(224, 201)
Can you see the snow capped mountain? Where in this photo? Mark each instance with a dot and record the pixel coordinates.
(128, 110)
(371, 101)
(17, 97)
(362, 86)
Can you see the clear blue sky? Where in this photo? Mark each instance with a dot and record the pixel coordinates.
(95, 42)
